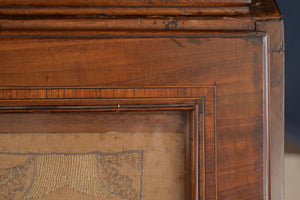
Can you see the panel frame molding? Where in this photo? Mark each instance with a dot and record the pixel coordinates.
(49, 96)
(199, 100)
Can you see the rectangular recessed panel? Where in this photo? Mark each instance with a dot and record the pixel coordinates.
(236, 162)
(133, 155)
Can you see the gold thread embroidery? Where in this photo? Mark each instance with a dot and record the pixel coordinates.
(121, 184)
(14, 178)
(57, 171)
(133, 159)
(92, 174)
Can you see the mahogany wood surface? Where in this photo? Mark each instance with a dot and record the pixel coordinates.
(111, 10)
(165, 23)
(90, 62)
(167, 118)
(71, 61)
(90, 122)
(123, 2)
(275, 30)
(98, 9)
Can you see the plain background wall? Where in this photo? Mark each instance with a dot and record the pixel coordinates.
(290, 10)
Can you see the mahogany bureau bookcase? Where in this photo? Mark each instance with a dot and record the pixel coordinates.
(141, 100)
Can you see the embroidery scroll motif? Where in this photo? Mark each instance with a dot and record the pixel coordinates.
(93, 174)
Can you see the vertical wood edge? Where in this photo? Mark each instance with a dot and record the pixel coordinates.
(266, 122)
(274, 28)
(195, 155)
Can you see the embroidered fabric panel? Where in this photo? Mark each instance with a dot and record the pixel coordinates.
(111, 165)
(84, 173)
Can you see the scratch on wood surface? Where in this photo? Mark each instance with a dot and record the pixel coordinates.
(150, 2)
(177, 42)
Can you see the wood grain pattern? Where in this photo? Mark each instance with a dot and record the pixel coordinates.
(72, 69)
(124, 2)
(171, 23)
(224, 73)
(237, 76)
(93, 122)
(121, 11)
(106, 122)
(275, 30)
(263, 9)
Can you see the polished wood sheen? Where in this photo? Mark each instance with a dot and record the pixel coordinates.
(210, 83)
(121, 7)
(99, 9)
(125, 2)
